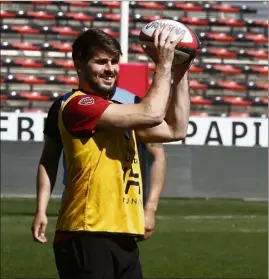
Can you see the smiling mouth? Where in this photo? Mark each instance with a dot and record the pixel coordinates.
(107, 78)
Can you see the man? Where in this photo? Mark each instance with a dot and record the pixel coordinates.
(102, 207)
(151, 156)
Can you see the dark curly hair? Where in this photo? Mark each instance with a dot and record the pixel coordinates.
(94, 40)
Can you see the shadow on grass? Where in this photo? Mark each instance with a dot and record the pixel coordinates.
(30, 214)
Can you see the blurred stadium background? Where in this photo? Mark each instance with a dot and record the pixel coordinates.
(224, 155)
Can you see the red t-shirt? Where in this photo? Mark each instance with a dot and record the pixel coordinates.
(82, 113)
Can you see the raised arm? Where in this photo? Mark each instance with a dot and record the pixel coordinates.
(151, 110)
(175, 124)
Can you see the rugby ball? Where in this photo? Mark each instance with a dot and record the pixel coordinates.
(185, 51)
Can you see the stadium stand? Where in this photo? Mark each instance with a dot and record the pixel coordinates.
(229, 78)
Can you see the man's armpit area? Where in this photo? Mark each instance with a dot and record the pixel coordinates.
(82, 113)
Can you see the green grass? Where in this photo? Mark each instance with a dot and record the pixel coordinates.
(193, 239)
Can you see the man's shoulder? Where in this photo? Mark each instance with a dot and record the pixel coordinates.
(124, 96)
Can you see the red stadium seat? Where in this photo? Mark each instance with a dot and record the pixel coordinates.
(262, 85)
(188, 7)
(20, 46)
(64, 30)
(63, 47)
(31, 95)
(34, 96)
(111, 32)
(7, 14)
(136, 48)
(199, 100)
(195, 69)
(220, 37)
(193, 21)
(218, 52)
(79, 16)
(227, 22)
(24, 79)
(67, 80)
(3, 97)
(225, 8)
(259, 69)
(135, 32)
(145, 18)
(257, 23)
(67, 64)
(78, 3)
(227, 69)
(24, 29)
(236, 101)
(111, 4)
(231, 85)
(112, 17)
(257, 38)
(28, 63)
(262, 54)
(40, 15)
(197, 85)
(150, 5)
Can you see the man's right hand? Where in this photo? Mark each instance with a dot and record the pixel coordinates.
(39, 226)
(163, 49)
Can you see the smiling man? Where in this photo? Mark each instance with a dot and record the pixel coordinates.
(96, 227)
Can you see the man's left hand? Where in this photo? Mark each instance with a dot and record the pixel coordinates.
(149, 223)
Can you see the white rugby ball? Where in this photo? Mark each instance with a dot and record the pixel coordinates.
(185, 51)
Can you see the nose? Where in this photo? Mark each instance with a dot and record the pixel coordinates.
(109, 66)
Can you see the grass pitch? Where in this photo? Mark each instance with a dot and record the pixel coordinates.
(193, 239)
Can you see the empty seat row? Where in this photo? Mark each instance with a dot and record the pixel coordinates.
(67, 64)
(61, 46)
(194, 84)
(91, 16)
(195, 100)
(192, 6)
(34, 29)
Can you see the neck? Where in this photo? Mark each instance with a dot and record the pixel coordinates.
(88, 90)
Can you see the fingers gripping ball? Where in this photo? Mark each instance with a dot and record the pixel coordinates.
(186, 50)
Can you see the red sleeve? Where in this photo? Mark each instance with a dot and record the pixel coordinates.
(82, 113)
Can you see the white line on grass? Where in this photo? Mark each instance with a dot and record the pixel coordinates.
(217, 231)
(206, 217)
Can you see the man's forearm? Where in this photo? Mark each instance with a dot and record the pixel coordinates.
(157, 96)
(157, 180)
(44, 187)
(177, 115)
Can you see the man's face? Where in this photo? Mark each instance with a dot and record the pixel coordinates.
(101, 72)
